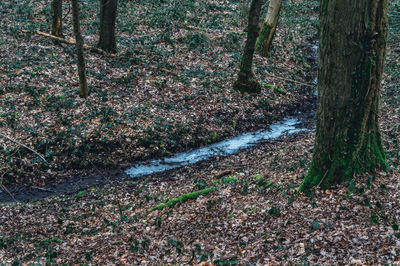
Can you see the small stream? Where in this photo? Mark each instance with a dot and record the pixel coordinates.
(223, 148)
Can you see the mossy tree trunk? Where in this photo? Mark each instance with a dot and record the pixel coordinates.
(267, 31)
(56, 18)
(352, 49)
(108, 15)
(246, 81)
(83, 87)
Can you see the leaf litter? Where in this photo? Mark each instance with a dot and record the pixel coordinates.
(253, 217)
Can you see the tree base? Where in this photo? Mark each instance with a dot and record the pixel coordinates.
(247, 83)
(109, 48)
(263, 52)
(324, 172)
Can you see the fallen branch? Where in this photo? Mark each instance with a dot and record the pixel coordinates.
(22, 145)
(276, 88)
(212, 32)
(223, 174)
(8, 192)
(85, 46)
(292, 80)
(105, 177)
(182, 198)
(43, 189)
(2, 187)
(95, 49)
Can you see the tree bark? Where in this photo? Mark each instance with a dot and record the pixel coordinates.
(267, 31)
(352, 49)
(108, 15)
(56, 17)
(246, 81)
(83, 87)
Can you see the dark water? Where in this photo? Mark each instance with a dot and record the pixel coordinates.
(223, 148)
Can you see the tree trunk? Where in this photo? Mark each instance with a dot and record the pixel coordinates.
(246, 81)
(83, 87)
(108, 15)
(352, 49)
(268, 29)
(56, 17)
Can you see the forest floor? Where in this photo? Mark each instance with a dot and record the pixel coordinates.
(171, 94)
(168, 90)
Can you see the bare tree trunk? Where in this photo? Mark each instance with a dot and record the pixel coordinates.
(352, 49)
(83, 87)
(108, 15)
(267, 31)
(246, 81)
(56, 17)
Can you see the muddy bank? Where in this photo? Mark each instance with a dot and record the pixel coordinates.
(71, 185)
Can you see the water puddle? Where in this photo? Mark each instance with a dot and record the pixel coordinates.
(314, 48)
(223, 148)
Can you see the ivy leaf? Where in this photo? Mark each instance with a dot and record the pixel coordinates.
(316, 225)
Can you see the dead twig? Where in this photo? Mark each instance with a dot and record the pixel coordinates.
(94, 49)
(85, 46)
(43, 189)
(116, 193)
(8, 192)
(320, 182)
(2, 187)
(291, 80)
(97, 169)
(22, 145)
(211, 32)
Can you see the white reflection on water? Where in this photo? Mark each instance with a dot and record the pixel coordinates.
(223, 148)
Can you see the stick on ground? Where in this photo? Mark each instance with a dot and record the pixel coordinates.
(95, 49)
(26, 147)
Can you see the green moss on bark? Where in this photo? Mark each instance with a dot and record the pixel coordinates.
(182, 198)
(264, 40)
(371, 155)
(346, 162)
